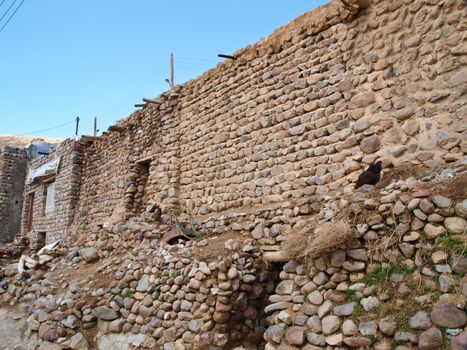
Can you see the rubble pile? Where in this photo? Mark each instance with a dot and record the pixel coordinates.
(123, 281)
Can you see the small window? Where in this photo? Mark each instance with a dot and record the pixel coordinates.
(50, 199)
(40, 240)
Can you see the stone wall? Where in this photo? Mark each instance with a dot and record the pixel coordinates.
(390, 287)
(294, 119)
(405, 251)
(53, 226)
(12, 172)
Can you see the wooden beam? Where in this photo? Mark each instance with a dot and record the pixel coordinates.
(156, 100)
(116, 128)
(276, 256)
(89, 138)
(140, 105)
(145, 159)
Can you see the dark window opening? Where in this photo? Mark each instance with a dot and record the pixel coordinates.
(40, 240)
(140, 198)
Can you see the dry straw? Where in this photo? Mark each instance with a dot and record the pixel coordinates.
(317, 239)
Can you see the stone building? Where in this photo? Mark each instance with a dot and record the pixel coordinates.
(13, 162)
(51, 193)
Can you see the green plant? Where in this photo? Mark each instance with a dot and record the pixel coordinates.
(352, 295)
(121, 229)
(373, 338)
(84, 227)
(446, 345)
(358, 311)
(305, 296)
(404, 269)
(377, 276)
(381, 274)
(403, 325)
(129, 293)
(451, 243)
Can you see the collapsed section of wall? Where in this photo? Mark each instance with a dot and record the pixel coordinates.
(12, 172)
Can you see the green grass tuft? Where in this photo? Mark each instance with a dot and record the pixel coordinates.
(451, 243)
(358, 311)
(352, 295)
(129, 293)
(381, 274)
(121, 229)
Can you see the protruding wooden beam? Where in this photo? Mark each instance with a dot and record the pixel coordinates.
(116, 128)
(155, 100)
(276, 256)
(140, 105)
(227, 56)
(145, 159)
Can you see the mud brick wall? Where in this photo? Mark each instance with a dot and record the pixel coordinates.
(12, 172)
(257, 142)
(67, 185)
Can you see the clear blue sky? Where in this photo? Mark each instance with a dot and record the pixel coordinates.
(65, 58)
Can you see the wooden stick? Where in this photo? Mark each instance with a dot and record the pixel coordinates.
(157, 100)
(276, 256)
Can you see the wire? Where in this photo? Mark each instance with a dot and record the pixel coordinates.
(52, 128)
(2, 3)
(11, 14)
(8, 10)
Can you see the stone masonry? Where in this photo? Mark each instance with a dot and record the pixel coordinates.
(12, 171)
(45, 228)
(261, 155)
(297, 116)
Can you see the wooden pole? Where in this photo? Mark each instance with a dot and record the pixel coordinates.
(77, 126)
(95, 126)
(172, 81)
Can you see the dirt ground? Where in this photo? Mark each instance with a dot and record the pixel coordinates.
(13, 331)
(215, 247)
